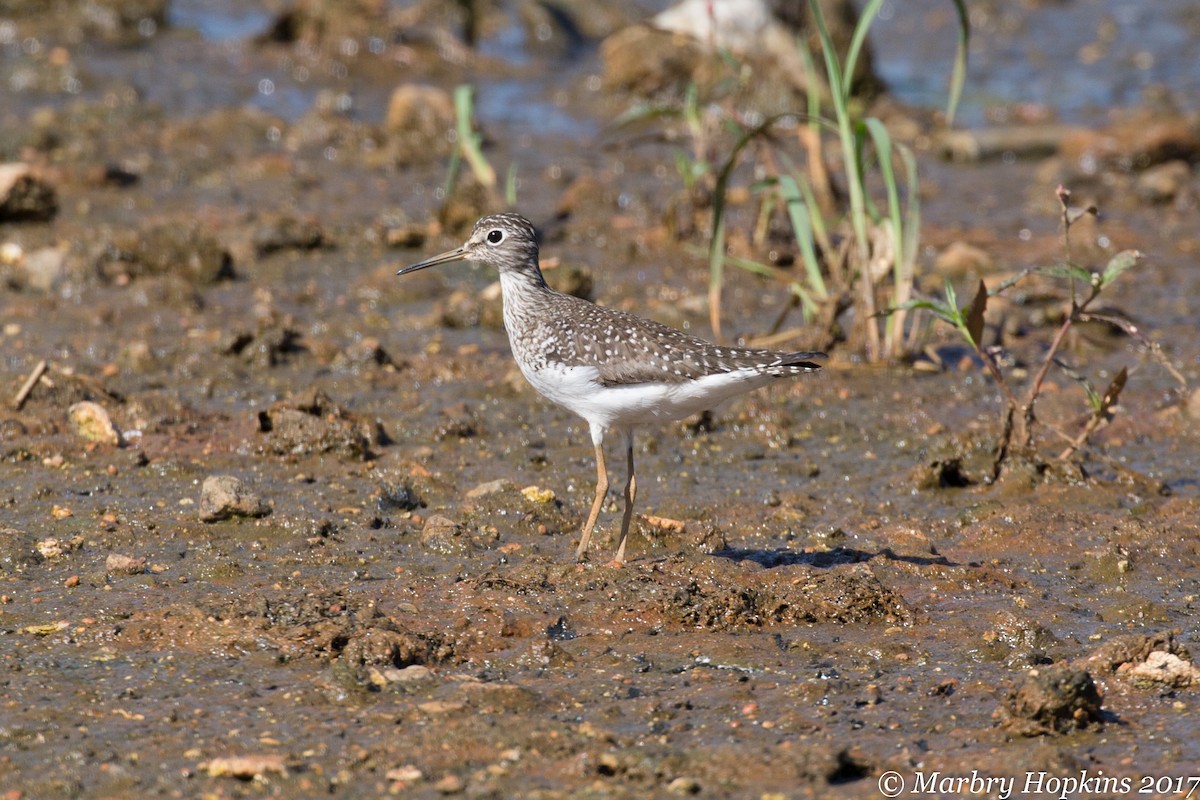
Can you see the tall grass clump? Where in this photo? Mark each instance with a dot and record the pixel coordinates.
(857, 243)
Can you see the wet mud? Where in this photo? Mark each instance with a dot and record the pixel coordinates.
(276, 523)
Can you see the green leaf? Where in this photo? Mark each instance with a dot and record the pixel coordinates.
(958, 76)
(947, 314)
(1118, 264)
(1067, 271)
(800, 214)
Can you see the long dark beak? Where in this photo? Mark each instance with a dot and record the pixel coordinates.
(457, 254)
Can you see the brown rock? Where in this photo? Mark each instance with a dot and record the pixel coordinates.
(960, 259)
(417, 122)
(117, 564)
(168, 248)
(224, 497)
(24, 197)
(1134, 143)
(1164, 182)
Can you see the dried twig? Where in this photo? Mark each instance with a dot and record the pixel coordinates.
(27, 387)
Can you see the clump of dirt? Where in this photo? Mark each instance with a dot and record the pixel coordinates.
(312, 423)
(1051, 700)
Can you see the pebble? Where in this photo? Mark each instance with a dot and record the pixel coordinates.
(124, 565)
(500, 485)
(224, 497)
(91, 421)
(451, 784)
(245, 767)
(24, 196)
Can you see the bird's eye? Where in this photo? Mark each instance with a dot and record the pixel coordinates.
(495, 236)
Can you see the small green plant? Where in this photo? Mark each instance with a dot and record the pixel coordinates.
(469, 148)
(1018, 418)
(851, 252)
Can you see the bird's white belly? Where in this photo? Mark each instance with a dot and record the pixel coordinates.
(578, 389)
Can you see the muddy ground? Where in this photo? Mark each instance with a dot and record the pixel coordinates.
(384, 601)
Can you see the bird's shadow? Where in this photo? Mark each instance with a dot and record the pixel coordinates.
(824, 559)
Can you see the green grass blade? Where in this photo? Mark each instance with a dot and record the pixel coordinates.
(800, 213)
(468, 140)
(883, 151)
(510, 185)
(865, 19)
(958, 76)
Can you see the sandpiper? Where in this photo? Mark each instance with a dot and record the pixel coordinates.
(614, 369)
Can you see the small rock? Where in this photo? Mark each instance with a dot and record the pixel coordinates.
(20, 550)
(398, 496)
(44, 268)
(451, 784)
(536, 494)
(184, 249)
(410, 674)
(24, 197)
(405, 774)
(489, 488)
(1164, 182)
(1165, 669)
(246, 767)
(288, 233)
(50, 548)
(90, 421)
(684, 786)
(418, 121)
(117, 564)
(458, 421)
(443, 535)
(224, 497)
(960, 259)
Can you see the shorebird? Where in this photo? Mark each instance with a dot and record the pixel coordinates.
(614, 369)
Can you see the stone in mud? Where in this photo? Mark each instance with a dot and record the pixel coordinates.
(224, 497)
(1019, 641)
(274, 342)
(25, 197)
(118, 564)
(1135, 142)
(1164, 182)
(312, 424)
(1054, 700)
(960, 259)
(18, 551)
(286, 232)
(366, 352)
(384, 647)
(458, 422)
(91, 421)
(443, 535)
(418, 122)
(246, 767)
(398, 496)
(182, 249)
(40, 270)
(1149, 660)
